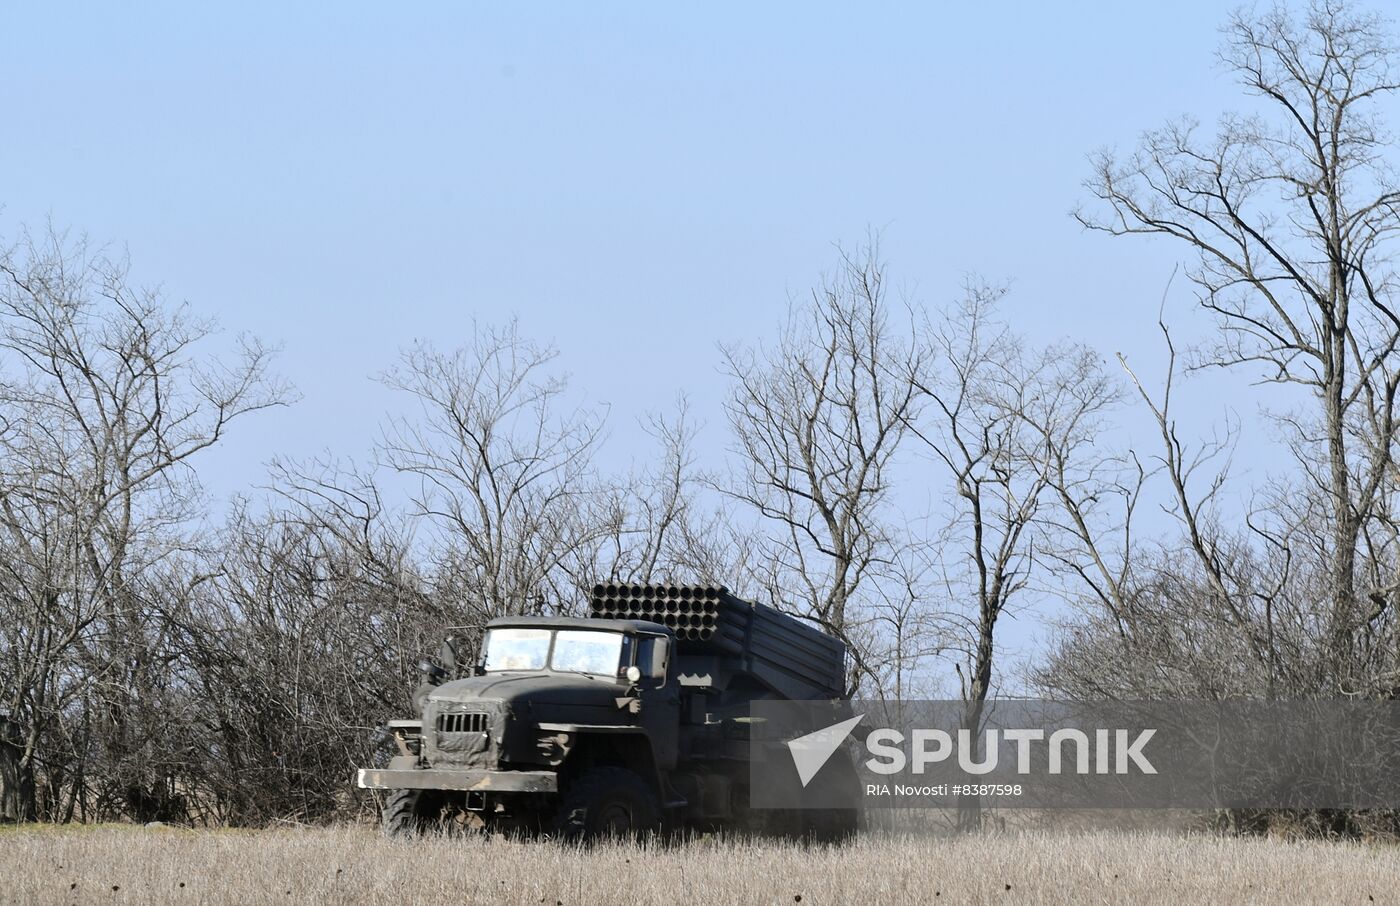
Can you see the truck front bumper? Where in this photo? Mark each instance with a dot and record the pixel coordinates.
(446, 779)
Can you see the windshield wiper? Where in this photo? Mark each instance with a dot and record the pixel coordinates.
(605, 677)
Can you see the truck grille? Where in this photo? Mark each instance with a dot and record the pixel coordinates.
(462, 722)
(462, 736)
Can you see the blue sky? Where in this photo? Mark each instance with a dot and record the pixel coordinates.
(635, 183)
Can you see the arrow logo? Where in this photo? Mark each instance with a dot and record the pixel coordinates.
(812, 751)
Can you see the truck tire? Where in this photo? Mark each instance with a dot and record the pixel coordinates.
(608, 802)
(410, 813)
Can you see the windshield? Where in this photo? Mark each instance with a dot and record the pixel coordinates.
(574, 650)
(516, 649)
(587, 651)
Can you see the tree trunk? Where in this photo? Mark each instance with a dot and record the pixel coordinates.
(970, 807)
(1345, 527)
(16, 780)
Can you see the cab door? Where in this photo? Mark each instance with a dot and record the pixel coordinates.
(660, 697)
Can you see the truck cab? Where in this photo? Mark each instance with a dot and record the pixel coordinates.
(551, 704)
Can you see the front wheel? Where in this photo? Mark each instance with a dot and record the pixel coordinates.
(411, 813)
(608, 802)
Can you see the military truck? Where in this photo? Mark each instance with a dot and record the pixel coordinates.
(632, 720)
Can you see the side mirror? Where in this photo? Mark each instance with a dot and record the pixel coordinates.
(447, 655)
(432, 673)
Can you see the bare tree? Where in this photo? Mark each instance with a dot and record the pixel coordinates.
(908, 628)
(105, 396)
(1290, 216)
(297, 647)
(1206, 613)
(658, 526)
(502, 474)
(817, 420)
(995, 413)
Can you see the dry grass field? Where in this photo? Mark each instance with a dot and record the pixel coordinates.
(353, 865)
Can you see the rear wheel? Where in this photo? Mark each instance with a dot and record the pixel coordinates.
(608, 802)
(409, 813)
